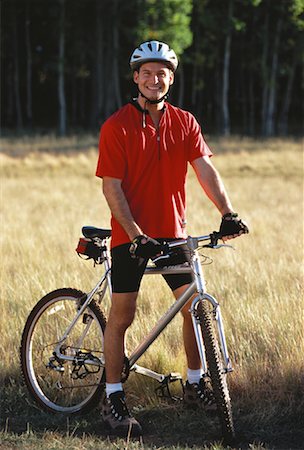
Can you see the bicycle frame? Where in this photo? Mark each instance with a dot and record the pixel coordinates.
(197, 286)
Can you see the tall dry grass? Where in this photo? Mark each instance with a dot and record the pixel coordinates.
(47, 195)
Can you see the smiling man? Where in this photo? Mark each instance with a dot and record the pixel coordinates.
(153, 82)
(144, 152)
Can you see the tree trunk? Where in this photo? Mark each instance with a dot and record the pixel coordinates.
(242, 95)
(269, 129)
(226, 66)
(251, 78)
(283, 121)
(195, 62)
(99, 65)
(264, 71)
(251, 129)
(218, 99)
(194, 85)
(10, 109)
(181, 89)
(109, 97)
(29, 103)
(16, 67)
(74, 96)
(97, 72)
(61, 66)
(116, 79)
(81, 101)
(112, 91)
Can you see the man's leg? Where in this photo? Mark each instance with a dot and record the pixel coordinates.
(191, 350)
(126, 277)
(120, 318)
(114, 409)
(198, 391)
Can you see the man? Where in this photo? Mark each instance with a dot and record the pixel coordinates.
(144, 149)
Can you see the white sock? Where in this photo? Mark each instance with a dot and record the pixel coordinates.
(113, 387)
(194, 376)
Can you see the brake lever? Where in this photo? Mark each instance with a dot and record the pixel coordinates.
(214, 238)
(218, 246)
(159, 258)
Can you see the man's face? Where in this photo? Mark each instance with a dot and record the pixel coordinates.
(153, 79)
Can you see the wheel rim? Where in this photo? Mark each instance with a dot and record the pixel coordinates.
(66, 387)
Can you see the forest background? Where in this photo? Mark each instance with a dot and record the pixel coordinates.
(65, 63)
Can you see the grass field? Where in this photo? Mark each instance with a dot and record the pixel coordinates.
(48, 192)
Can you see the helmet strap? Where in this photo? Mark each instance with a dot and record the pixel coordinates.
(144, 115)
(154, 102)
(143, 110)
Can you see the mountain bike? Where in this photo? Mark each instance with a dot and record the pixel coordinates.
(62, 343)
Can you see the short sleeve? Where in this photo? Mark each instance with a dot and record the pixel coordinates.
(197, 145)
(111, 161)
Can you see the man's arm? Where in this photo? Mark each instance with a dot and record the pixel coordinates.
(212, 184)
(119, 207)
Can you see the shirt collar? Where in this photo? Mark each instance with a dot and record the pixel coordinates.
(135, 103)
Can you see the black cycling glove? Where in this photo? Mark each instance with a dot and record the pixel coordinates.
(144, 246)
(231, 225)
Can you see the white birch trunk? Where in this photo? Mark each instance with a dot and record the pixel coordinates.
(61, 64)
(226, 67)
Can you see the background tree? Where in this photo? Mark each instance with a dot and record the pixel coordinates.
(168, 21)
(293, 57)
(241, 61)
(29, 106)
(61, 69)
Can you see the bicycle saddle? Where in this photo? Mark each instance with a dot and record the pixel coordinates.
(92, 232)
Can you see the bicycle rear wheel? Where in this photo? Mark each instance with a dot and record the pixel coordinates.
(59, 385)
(216, 369)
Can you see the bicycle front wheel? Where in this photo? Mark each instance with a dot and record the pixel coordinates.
(216, 369)
(73, 382)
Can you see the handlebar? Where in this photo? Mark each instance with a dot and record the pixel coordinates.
(166, 248)
(192, 243)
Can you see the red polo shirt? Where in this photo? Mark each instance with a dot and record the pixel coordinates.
(152, 165)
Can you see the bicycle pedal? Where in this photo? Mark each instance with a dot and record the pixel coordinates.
(163, 391)
(174, 376)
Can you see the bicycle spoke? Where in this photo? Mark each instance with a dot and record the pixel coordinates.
(55, 382)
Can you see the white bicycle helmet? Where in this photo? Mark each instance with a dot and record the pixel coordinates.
(154, 51)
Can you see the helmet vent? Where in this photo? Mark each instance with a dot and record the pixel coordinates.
(154, 51)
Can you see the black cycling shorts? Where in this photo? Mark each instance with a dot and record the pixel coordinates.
(127, 272)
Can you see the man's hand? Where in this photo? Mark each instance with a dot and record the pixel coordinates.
(232, 226)
(144, 246)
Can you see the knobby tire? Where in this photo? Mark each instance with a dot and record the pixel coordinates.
(217, 374)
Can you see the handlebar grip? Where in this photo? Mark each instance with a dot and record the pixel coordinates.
(164, 252)
(215, 237)
(165, 248)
